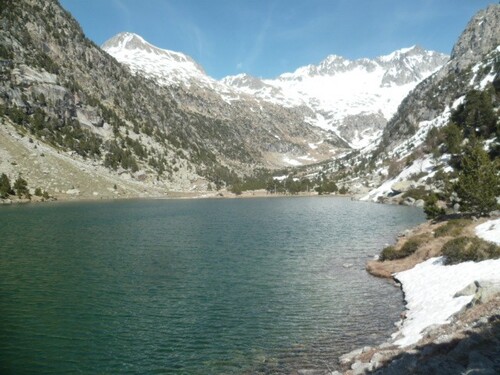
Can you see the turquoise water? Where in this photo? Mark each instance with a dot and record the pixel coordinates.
(193, 286)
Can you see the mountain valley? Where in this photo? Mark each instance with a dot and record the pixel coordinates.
(151, 122)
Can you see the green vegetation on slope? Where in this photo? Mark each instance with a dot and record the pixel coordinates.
(463, 249)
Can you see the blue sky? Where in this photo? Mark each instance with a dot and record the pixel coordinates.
(265, 38)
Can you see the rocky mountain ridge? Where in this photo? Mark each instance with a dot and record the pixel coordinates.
(143, 56)
(477, 39)
(59, 90)
(350, 99)
(286, 136)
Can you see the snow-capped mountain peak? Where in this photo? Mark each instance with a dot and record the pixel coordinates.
(399, 53)
(352, 98)
(165, 66)
(244, 82)
(127, 40)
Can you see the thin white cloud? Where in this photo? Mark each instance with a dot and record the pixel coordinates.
(198, 38)
(124, 11)
(260, 40)
(187, 28)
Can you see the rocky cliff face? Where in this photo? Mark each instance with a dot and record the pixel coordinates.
(478, 43)
(481, 35)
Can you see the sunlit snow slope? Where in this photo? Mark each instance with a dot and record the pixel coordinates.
(352, 98)
(166, 67)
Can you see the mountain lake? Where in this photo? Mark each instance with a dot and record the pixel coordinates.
(213, 286)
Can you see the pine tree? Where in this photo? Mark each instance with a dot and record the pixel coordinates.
(452, 138)
(5, 188)
(236, 189)
(478, 182)
(21, 187)
(476, 115)
(431, 208)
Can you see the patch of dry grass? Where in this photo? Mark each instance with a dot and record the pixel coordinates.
(429, 243)
(452, 228)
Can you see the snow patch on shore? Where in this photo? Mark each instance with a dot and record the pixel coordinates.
(430, 288)
(489, 231)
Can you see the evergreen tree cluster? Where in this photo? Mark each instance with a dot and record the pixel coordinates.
(476, 115)
(290, 185)
(118, 156)
(19, 188)
(65, 134)
(476, 181)
(475, 119)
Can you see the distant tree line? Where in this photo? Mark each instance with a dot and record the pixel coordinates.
(289, 185)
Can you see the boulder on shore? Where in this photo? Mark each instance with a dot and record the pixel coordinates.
(403, 186)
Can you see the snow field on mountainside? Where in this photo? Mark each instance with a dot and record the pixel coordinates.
(488, 78)
(405, 148)
(343, 94)
(425, 165)
(166, 67)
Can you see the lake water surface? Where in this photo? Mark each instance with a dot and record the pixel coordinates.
(193, 286)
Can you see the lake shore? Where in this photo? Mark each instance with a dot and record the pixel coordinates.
(465, 337)
(223, 194)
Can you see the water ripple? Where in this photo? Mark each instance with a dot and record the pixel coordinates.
(198, 287)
